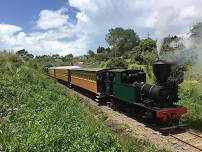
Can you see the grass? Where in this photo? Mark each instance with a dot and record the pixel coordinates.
(191, 98)
(37, 115)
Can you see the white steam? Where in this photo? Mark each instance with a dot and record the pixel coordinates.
(189, 51)
(174, 21)
(169, 22)
(166, 21)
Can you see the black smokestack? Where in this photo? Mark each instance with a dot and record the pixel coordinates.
(161, 70)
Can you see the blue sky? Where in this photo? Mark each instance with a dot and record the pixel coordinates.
(24, 13)
(75, 26)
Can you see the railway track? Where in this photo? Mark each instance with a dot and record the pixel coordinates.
(189, 138)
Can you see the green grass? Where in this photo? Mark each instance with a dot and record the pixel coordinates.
(37, 115)
(191, 98)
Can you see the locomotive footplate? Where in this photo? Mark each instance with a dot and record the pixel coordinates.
(169, 115)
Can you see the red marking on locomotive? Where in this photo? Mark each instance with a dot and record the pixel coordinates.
(165, 112)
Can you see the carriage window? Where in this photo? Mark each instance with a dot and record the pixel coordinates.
(85, 75)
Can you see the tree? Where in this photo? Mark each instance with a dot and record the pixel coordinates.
(107, 50)
(91, 53)
(170, 43)
(146, 45)
(114, 62)
(102, 57)
(42, 57)
(100, 49)
(68, 57)
(55, 56)
(145, 52)
(122, 40)
(22, 52)
(196, 31)
(30, 55)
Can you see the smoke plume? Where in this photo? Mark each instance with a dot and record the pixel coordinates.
(165, 24)
(188, 52)
(189, 48)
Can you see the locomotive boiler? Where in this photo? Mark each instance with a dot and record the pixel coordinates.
(164, 92)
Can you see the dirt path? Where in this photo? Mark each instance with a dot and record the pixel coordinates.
(119, 122)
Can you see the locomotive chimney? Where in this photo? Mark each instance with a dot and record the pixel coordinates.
(161, 70)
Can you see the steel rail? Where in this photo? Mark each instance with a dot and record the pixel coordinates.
(184, 141)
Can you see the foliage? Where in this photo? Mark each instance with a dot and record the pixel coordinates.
(191, 97)
(196, 31)
(102, 57)
(146, 58)
(100, 49)
(91, 53)
(36, 114)
(170, 44)
(146, 45)
(22, 52)
(68, 58)
(122, 40)
(113, 63)
(55, 56)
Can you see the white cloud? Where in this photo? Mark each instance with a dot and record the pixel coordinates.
(81, 16)
(38, 43)
(94, 20)
(56, 37)
(49, 19)
(9, 29)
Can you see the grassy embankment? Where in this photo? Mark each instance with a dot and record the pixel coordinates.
(191, 97)
(37, 115)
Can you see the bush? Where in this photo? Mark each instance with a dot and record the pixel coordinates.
(113, 63)
(191, 97)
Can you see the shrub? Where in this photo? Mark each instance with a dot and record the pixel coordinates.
(191, 97)
(114, 62)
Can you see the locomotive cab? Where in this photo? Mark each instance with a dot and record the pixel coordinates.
(120, 84)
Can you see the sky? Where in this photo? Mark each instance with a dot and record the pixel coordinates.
(76, 26)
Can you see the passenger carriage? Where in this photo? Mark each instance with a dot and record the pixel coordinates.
(61, 72)
(91, 79)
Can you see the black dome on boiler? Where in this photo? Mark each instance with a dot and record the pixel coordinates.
(161, 70)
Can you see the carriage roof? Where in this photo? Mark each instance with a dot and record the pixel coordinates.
(90, 69)
(64, 67)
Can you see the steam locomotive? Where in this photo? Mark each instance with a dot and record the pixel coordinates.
(154, 101)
